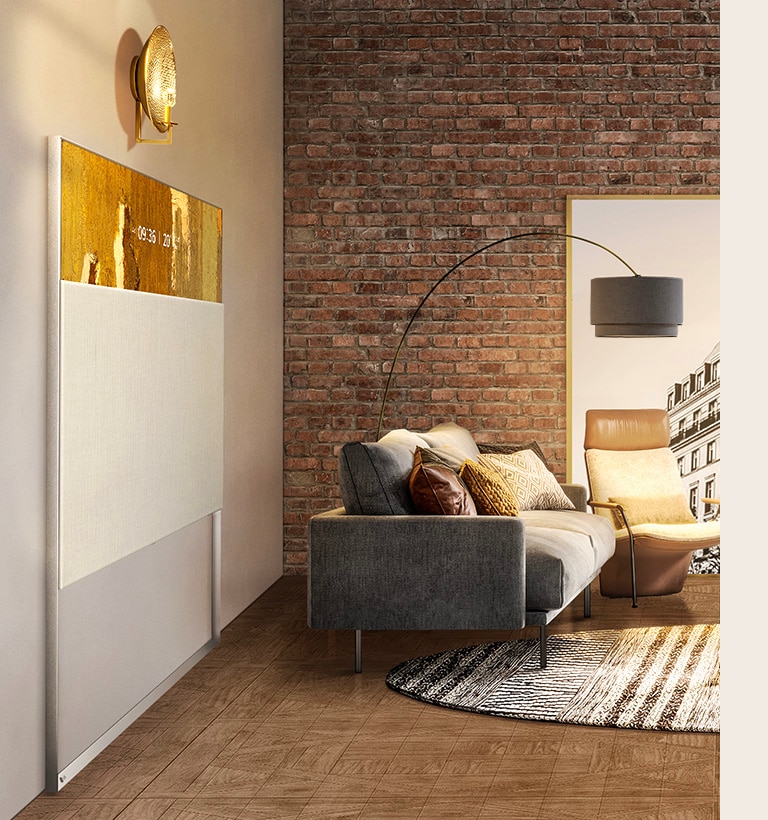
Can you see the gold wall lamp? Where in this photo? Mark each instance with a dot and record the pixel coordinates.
(153, 85)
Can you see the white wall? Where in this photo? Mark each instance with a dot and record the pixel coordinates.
(65, 72)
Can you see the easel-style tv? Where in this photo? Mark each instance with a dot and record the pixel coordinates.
(135, 451)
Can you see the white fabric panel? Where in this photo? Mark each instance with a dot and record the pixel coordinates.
(141, 421)
(125, 629)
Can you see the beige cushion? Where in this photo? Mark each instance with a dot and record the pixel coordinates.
(452, 436)
(437, 490)
(491, 495)
(637, 472)
(660, 509)
(532, 485)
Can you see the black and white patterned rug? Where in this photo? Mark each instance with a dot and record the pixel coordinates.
(706, 562)
(665, 678)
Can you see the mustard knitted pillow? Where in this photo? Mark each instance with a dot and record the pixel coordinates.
(491, 495)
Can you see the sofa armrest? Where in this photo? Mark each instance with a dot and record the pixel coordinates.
(415, 572)
(577, 494)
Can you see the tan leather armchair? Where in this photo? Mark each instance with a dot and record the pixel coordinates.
(634, 480)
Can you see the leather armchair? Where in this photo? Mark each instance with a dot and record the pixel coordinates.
(634, 480)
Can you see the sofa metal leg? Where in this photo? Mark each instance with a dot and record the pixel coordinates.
(358, 650)
(543, 646)
(588, 601)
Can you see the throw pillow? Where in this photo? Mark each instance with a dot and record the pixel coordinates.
(528, 480)
(430, 455)
(661, 509)
(490, 493)
(437, 490)
(514, 448)
(451, 434)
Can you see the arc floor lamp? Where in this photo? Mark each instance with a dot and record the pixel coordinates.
(620, 306)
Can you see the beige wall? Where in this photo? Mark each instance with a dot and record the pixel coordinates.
(64, 69)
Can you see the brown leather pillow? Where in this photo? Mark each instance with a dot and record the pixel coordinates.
(437, 490)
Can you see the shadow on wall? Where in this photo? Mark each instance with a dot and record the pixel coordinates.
(130, 46)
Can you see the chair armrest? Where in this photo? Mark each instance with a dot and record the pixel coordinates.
(612, 505)
(415, 572)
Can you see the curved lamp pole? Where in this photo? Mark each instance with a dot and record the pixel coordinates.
(621, 306)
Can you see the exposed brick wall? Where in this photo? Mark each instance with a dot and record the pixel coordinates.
(415, 132)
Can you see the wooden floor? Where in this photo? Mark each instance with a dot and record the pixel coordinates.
(274, 723)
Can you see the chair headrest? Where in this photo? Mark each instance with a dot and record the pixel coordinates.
(626, 429)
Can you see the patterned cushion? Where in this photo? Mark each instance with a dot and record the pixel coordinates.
(491, 495)
(532, 485)
(437, 490)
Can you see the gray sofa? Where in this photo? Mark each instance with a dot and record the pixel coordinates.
(379, 563)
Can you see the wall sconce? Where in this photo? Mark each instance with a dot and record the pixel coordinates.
(153, 84)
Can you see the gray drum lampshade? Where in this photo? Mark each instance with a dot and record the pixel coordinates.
(636, 306)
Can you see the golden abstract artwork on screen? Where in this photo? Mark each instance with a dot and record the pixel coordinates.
(123, 229)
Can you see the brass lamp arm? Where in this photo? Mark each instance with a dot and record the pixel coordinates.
(458, 265)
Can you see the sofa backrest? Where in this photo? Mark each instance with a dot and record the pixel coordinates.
(373, 477)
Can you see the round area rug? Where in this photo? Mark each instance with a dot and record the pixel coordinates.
(665, 678)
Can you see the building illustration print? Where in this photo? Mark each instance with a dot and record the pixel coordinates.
(693, 404)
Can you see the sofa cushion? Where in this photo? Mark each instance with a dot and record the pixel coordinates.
(564, 550)
(373, 477)
(558, 563)
(529, 481)
(490, 493)
(596, 528)
(437, 490)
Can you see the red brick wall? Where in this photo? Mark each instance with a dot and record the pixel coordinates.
(415, 132)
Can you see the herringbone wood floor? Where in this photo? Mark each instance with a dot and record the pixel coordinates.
(275, 724)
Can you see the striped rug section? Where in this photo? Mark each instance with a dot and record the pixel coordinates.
(664, 678)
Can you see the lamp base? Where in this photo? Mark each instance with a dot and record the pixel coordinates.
(634, 331)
